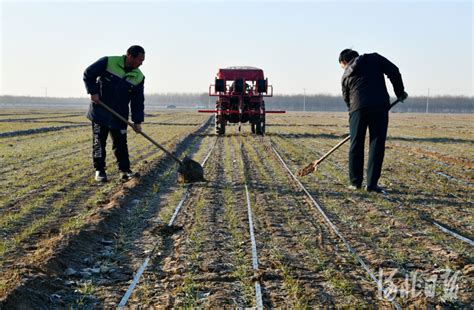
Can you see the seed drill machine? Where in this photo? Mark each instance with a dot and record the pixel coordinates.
(240, 93)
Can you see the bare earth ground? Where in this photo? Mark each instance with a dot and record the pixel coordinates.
(67, 242)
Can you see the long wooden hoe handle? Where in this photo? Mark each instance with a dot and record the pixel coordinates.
(120, 117)
(317, 162)
(332, 150)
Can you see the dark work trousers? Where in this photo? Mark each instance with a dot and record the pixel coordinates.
(119, 145)
(377, 121)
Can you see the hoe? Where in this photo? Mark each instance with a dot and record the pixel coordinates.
(314, 165)
(189, 170)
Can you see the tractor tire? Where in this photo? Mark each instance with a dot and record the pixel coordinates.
(260, 128)
(219, 121)
(220, 126)
(260, 125)
(222, 129)
(216, 124)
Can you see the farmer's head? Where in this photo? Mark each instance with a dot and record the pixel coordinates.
(135, 57)
(346, 56)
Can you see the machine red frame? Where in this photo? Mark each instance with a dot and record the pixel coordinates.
(241, 91)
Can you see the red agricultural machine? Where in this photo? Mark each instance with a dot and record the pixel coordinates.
(241, 91)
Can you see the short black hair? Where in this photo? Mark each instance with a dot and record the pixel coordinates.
(347, 55)
(135, 50)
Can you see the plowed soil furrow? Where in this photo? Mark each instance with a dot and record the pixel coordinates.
(46, 117)
(449, 134)
(429, 201)
(321, 267)
(202, 266)
(434, 156)
(69, 165)
(390, 238)
(38, 130)
(56, 200)
(68, 243)
(97, 250)
(450, 155)
(50, 156)
(54, 185)
(403, 156)
(423, 193)
(415, 198)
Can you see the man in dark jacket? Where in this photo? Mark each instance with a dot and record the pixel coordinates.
(366, 96)
(117, 82)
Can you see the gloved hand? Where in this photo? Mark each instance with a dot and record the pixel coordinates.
(403, 97)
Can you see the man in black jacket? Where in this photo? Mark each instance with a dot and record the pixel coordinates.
(117, 82)
(366, 96)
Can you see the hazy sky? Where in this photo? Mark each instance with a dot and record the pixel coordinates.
(49, 44)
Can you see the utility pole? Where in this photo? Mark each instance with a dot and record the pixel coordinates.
(45, 91)
(304, 99)
(427, 101)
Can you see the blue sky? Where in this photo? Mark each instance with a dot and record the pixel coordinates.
(49, 44)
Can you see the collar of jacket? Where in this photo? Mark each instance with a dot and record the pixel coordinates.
(351, 67)
(116, 66)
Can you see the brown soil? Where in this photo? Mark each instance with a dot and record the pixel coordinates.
(465, 163)
(204, 259)
(40, 276)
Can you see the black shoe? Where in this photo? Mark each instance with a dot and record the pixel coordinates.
(100, 176)
(353, 187)
(376, 189)
(127, 175)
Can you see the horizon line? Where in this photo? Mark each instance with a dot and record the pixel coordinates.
(197, 93)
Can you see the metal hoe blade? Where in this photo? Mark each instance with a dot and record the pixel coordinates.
(190, 171)
(306, 170)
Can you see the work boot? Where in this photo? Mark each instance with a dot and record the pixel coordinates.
(127, 175)
(100, 176)
(375, 189)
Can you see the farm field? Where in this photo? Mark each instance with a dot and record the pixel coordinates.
(66, 241)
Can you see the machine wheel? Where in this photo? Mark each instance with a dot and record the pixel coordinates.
(220, 125)
(219, 121)
(222, 129)
(260, 128)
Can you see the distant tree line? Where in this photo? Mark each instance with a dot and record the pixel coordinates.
(417, 104)
(179, 99)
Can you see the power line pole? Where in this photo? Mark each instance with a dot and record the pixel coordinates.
(427, 100)
(304, 99)
(45, 91)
